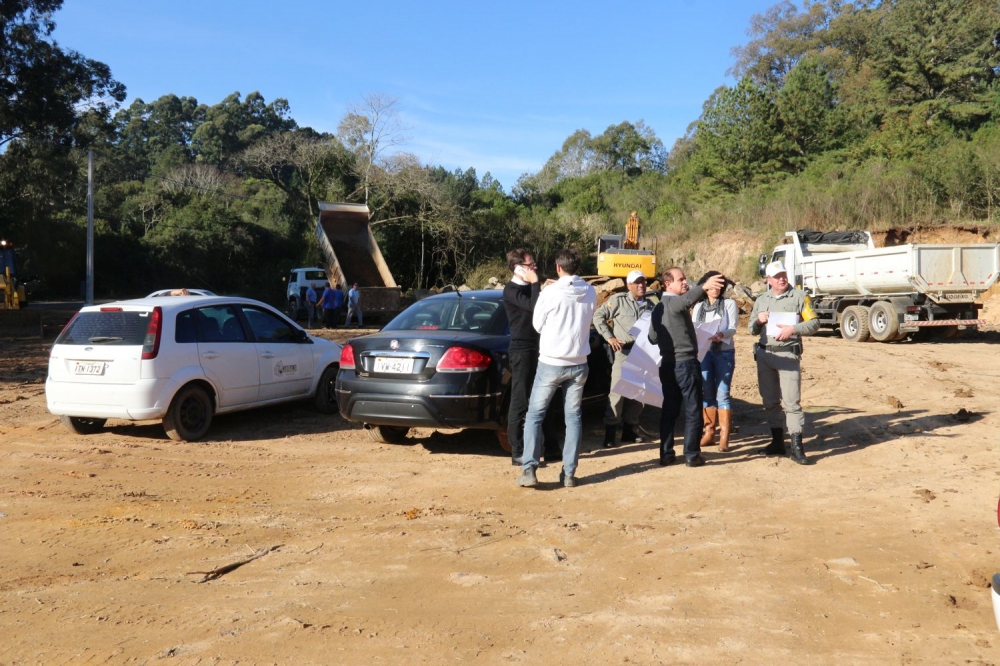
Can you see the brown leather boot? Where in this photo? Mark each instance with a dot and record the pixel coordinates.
(708, 415)
(725, 426)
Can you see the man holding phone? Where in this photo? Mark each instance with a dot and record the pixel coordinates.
(519, 297)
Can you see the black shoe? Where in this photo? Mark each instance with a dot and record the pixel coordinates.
(797, 454)
(697, 461)
(666, 461)
(777, 445)
(609, 436)
(630, 436)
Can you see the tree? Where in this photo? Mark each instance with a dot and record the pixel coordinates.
(231, 126)
(45, 90)
(738, 141)
(370, 129)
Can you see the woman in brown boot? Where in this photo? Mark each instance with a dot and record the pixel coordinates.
(717, 366)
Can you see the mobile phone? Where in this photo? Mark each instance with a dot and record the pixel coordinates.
(520, 270)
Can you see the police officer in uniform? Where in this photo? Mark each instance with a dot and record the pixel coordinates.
(613, 320)
(779, 377)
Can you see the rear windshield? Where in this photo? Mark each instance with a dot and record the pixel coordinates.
(452, 314)
(106, 328)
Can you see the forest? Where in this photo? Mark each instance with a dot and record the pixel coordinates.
(843, 115)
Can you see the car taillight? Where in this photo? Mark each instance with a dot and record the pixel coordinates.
(347, 358)
(462, 359)
(151, 345)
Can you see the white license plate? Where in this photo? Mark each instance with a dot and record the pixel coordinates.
(88, 368)
(911, 317)
(389, 364)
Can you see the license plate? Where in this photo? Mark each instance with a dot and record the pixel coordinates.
(389, 364)
(911, 317)
(85, 368)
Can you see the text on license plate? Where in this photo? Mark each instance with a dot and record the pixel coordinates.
(911, 317)
(89, 368)
(403, 366)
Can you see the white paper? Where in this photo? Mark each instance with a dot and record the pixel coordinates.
(776, 319)
(641, 371)
(705, 331)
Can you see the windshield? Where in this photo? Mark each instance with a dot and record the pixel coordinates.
(452, 314)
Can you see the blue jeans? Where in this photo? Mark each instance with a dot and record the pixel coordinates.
(716, 376)
(548, 380)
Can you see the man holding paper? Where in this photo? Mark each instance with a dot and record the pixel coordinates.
(672, 330)
(780, 317)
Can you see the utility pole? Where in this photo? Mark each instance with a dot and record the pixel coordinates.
(90, 227)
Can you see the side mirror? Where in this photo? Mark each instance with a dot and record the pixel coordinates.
(762, 265)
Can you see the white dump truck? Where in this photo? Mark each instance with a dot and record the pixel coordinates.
(351, 255)
(888, 293)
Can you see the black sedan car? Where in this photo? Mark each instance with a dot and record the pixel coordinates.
(441, 363)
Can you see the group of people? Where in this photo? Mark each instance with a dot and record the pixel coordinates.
(550, 342)
(326, 308)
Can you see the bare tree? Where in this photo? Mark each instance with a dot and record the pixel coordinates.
(371, 129)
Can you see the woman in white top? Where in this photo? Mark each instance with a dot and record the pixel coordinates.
(718, 364)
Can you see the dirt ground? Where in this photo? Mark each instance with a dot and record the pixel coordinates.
(427, 553)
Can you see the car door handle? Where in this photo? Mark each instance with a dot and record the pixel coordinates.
(210, 354)
(266, 354)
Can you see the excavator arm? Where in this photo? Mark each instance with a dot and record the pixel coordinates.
(631, 239)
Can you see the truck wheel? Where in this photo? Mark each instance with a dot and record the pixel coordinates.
(883, 322)
(82, 425)
(326, 395)
(293, 309)
(854, 324)
(387, 434)
(189, 415)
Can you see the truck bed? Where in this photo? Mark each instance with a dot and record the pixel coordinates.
(942, 272)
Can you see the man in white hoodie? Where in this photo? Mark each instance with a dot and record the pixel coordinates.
(562, 317)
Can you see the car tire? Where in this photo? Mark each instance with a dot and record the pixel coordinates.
(82, 425)
(189, 415)
(326, 395)
(387, 434)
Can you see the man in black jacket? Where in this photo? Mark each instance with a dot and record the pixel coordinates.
(672, 331)
(519, 296)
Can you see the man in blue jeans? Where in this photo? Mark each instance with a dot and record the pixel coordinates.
(672, 331)
(562, 317)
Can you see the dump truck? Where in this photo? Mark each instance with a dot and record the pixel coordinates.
(889, 293)
(351, 254)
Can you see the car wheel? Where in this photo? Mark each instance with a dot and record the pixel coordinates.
(387, 434)
(326, 395)
(189, 416)
(82, 425)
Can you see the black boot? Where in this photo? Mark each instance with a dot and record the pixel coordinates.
(777, 445)
(797, 454)
(667, 455)
(609, 436)
(630, 436)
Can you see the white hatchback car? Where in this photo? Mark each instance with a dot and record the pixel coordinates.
(183, 359)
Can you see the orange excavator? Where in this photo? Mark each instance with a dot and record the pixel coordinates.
(618, 255)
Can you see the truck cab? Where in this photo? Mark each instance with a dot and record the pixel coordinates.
(800, 245)
(299, 280)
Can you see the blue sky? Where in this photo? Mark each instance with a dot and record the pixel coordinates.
(497, 87)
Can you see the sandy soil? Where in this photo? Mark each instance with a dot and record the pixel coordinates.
(428, 553)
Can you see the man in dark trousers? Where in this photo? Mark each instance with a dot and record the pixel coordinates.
(519, 297)
(672, 331)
